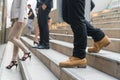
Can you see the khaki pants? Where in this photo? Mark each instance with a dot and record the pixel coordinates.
(14, 37)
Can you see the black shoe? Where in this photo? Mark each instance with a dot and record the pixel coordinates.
(43, 47)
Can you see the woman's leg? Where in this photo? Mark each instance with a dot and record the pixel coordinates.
(36, 34)
(49, 22)
(14, 36)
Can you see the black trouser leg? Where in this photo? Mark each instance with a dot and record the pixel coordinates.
(78, 27)
(80, 40)
(95, 33)
(43, 26)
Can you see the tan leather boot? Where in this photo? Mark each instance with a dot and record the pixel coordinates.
(99, 45)
(74, 62)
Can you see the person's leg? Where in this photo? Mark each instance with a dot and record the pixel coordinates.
(15, 50)
(100, 39)
(36, 41)
(49, 22)
(14, 37)
(39, 25)
(49, 26)
(80, 40)
(78, 26)
(94, 32)
(44, 30)
(29, 25)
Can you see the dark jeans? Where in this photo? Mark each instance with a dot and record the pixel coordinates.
(77, 22)
(43, 26)
(95, 33)
(74, 15)
(80, 40)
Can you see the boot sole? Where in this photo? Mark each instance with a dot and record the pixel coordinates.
(82, 66)
(107, 44)
(77, 66)
(100, 48)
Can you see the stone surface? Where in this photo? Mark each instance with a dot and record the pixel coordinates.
(71, 73)
(5, 74)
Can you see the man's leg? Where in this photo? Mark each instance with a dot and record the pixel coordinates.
(77, 22)
(40, 28)
(44, 30)
(100, 39)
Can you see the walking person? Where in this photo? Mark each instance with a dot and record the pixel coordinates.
(73, 14)
(44, 8)
(18, 17)
(30, 20)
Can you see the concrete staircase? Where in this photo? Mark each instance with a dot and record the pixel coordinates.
(44, 64)
(6, 74)
(61, 50)
(32, 69)
(2, 49)
(106, 18)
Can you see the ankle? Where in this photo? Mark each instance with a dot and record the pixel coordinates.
(36, 40)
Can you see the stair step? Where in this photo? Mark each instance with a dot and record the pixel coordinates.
(5, 74)
(97, 60)
(107, 25)
(34, 69)
(111, 32)
(2, 49)
(66, 48)
(106, 19)
(114, 46)
(52, 58)
(107, 12)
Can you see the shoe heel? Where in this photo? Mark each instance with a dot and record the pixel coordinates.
(29, 57)
(16, 65)
(82, 66)
(107, 44)
(24, 58)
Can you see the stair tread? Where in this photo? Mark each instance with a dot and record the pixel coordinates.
(6, 74)
(100, 28)
(78, 72)
(2, 47)
(103, 53)
(115, 39)
(36, 68)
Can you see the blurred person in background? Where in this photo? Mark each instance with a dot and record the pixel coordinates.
(30, 20)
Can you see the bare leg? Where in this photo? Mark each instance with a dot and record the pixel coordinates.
(14, 36)
(36, 34)
(49, 22)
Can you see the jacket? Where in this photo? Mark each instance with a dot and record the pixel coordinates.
(19, 10)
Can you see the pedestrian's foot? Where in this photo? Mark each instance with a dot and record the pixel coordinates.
(99, 45)
(74, 62)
